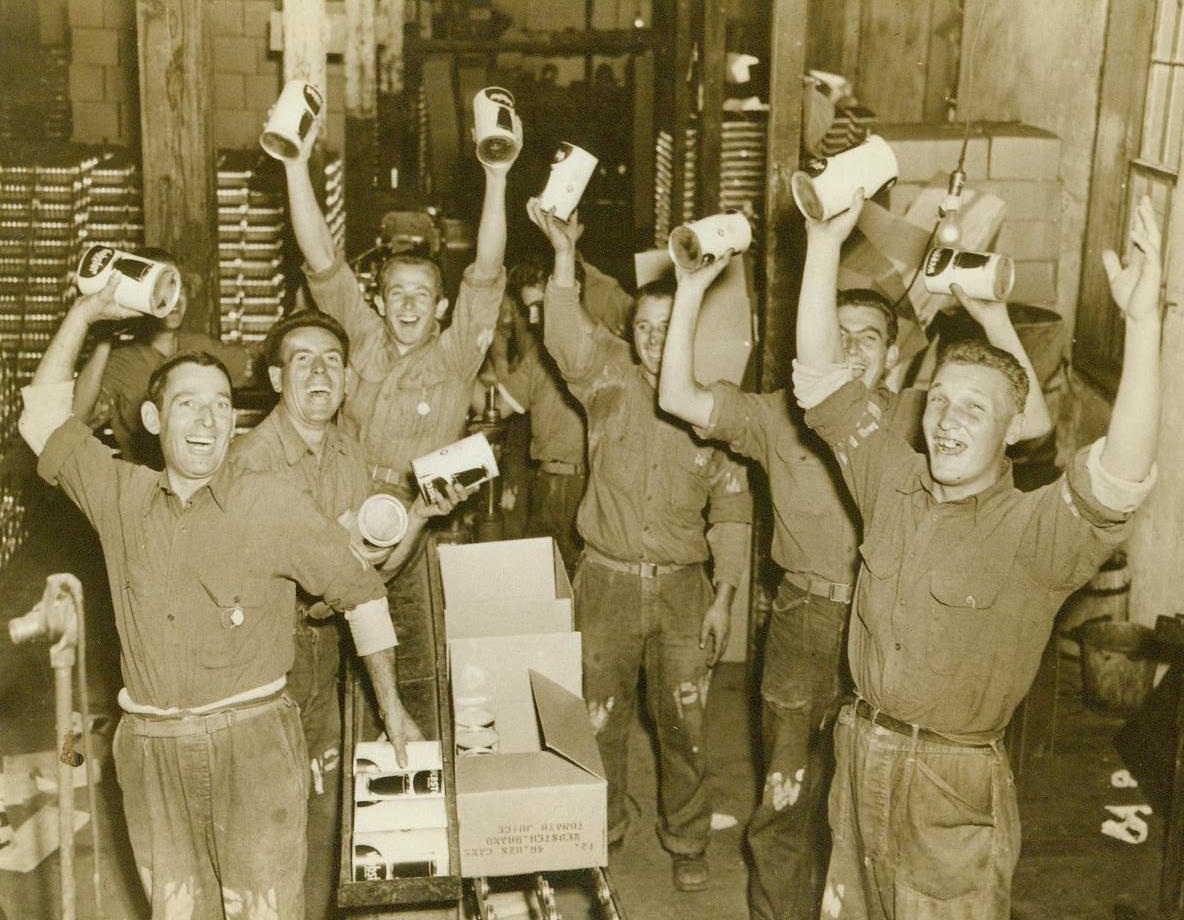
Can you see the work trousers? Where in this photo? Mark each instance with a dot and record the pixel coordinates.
(628, 621)
(554, 502)
(800, 685)
(922, 829)
(216, 815)
(313, 683)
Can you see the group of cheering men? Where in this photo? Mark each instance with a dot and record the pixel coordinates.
(939, 577)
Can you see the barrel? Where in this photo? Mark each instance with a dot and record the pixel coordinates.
(1117, 664)
(1106, 596)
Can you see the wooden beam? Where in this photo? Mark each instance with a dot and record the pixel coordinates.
(783, 230)
(361, 113)
(305, 26)
(683, 79)
(1128, 38)
(713, 65)
(176, 61)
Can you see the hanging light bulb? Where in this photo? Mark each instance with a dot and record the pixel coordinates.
(638, 20)
(949, 227)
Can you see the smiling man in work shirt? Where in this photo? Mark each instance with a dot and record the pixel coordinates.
(961, 577)
(203, 563)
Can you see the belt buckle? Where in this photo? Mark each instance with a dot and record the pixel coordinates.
(837, 593)
(647, 569)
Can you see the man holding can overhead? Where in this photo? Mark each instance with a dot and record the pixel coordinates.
(961, 577)
(203, 562)
(410, 382)
(642, 593)
(815, 540)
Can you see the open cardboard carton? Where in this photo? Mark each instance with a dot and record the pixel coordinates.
(539, 803)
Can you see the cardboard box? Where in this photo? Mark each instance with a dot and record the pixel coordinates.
(537, 810)
(539, 803)
(405, 835)
(379, 757)
(504, 588)
(391, 854)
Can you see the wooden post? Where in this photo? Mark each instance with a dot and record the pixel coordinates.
(713, 67)
(304, 24)
(361, 112)
(783, 232)
(176, 62)
(683, 76)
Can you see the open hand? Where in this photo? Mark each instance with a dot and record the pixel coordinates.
(563, 235)
(1135, 286)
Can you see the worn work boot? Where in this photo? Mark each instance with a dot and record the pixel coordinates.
(690, 872)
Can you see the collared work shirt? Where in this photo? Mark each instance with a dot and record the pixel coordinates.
(649, 480)
(124, 385)
(179, 572)
(402, 406)
(337, 481)
(956, 599)
(814, 520)
(556, 419)
(557, 429)
(815, 523)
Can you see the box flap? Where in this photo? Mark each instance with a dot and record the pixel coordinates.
(565, 725)
(503, 568)
(497, 670)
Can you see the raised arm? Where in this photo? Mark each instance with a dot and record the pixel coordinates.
(308, 223)
(41, 417)
(996, 323)
(568, 330)
(1133, 435)
(818, 341)
(679, 393)
(88, 383)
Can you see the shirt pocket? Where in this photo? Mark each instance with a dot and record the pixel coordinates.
(951, 630)
(688, 475)
(235, 626)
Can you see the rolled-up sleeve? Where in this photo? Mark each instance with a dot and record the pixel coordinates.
(46, 407)
(813, 383)
(1120, 495)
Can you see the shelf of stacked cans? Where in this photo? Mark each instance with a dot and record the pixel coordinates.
(335, 198)
(252, 240)
(44, 215)
(250, 247)
(14, 523)
(666, 216)
(116, 215)
(741, 174)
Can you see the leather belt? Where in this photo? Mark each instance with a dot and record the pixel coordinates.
(205, 724)
(561, 468)
(866, 710)
(640, 569)
(832, 591)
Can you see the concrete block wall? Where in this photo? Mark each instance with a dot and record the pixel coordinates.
(102, 71)
(1017, 163)
(104, 74)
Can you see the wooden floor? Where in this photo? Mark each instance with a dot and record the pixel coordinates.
(1068, 870)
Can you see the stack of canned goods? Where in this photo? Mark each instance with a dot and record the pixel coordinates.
(475, 729)
(44, 215)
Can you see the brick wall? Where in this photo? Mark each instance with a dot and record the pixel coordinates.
(1014, 162)
(247, 76)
